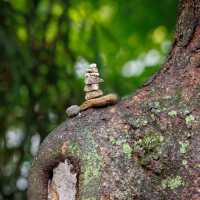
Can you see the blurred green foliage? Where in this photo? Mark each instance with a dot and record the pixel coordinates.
(41, 44)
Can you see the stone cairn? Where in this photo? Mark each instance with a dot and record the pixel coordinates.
(92, 81)
(93, 95)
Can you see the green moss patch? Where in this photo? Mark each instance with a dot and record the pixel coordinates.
(149, 148)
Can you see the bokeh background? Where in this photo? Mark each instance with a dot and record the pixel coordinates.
(45, 47)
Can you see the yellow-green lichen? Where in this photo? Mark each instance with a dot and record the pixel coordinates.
(183, 147)
(91, 164)
(172, 113)
(172, 182)
(91, 161)
(113, 141)
(74, 149)
(189, 119)
(127, 150)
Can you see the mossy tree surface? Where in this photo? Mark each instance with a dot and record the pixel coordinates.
(144, 147)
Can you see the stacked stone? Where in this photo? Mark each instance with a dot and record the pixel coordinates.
(94, 96)
(92, 82)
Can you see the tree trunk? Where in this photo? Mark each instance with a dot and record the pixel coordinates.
(146, 146)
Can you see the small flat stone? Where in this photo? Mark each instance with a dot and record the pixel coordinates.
(92, 68)
(73, 110)
(92, 74)
(89, 88)
(93, 65)
(93, 94)
(93, 80)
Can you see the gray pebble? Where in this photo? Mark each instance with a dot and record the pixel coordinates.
(73, 110)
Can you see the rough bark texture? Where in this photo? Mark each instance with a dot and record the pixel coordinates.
(146, 147)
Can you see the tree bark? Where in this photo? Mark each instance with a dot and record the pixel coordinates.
(146, 147)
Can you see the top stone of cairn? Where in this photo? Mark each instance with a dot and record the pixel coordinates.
(92, 69)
